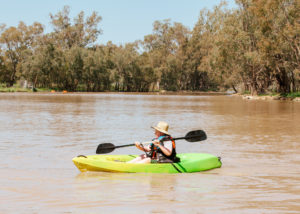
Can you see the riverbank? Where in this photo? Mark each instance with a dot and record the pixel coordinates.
(17, 88)
(289, 97)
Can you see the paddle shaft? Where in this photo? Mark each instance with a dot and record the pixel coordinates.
(126, 145)
(132, 144)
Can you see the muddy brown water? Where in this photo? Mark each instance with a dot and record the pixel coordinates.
(41, 133)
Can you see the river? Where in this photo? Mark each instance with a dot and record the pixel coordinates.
(40, 133)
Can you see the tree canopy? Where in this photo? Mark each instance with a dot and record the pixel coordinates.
(254, 47)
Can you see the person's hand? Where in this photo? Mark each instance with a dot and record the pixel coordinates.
(156, 142)
(137, 144)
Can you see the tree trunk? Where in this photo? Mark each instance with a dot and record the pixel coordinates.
(233, 87)
(283, 81)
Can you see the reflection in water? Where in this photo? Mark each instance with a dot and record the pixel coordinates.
(40, 134)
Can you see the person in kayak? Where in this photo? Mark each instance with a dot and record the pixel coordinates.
(162, 148)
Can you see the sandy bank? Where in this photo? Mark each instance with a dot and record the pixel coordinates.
(268, 97)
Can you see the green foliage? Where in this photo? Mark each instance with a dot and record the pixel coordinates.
(272, 94)
(254, 48)
(246, 92)
(14, 88)
(292, 95)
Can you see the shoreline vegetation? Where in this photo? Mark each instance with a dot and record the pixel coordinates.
(276, 96)
(17, 88)
(246, 95)
(254, 48)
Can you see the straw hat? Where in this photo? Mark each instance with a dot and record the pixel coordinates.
(162, 127)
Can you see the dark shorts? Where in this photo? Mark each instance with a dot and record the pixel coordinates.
(161, 159)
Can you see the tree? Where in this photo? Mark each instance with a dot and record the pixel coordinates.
(166, 49)
(16, 42)
(203, 67)
(81, 33)
(96, 75)
(278, 22)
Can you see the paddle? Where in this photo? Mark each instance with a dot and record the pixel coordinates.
(192, 136)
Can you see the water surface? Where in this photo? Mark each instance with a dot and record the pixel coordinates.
(41, 133)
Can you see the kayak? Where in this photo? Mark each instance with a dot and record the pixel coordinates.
(189, 162)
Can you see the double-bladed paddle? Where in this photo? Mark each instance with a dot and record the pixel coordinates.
(192, 136)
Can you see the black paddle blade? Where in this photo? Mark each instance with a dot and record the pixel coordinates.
(104, 148)
(195, 136)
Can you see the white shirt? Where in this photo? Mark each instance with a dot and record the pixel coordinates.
(168, 145)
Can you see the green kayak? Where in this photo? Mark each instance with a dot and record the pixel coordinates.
(189, 162)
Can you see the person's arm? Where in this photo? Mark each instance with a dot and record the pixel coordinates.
(165, 150)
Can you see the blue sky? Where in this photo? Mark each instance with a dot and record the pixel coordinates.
(122, 20)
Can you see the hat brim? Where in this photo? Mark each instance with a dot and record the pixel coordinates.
(160, 130)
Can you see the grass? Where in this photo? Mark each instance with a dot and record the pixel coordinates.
(17, 88)
(291, 95)
(14, 88)
(246, 93)
(272, 94)
(42, 89)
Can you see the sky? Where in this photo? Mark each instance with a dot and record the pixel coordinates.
(123, 21)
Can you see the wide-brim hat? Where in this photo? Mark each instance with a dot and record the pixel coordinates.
(162, 127)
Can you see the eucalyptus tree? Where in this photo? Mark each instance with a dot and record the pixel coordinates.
(159, 46)
(2, 68)
(74, 68)
(38, 67)
(145, 78)
(234, 56)
(279, 26)
(177, 60)
(204, 72)
(124, 59)
(199, 46)
(97, 65)
(72, 38)
(260, 43)
(223, 47)
(166, 49)
(82, 32)
(16, 43)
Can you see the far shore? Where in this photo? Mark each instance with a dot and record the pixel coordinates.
(162, 92)
(268, 97)
(290, 97)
